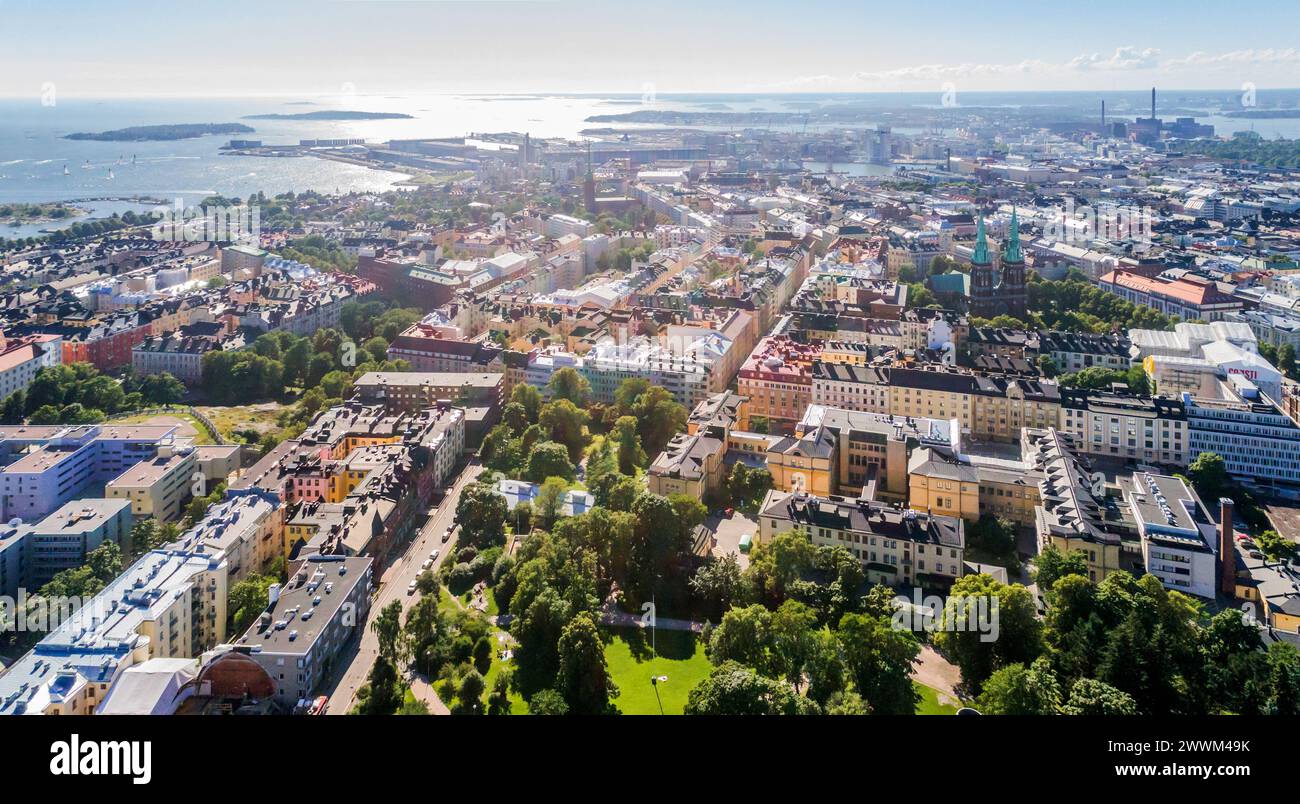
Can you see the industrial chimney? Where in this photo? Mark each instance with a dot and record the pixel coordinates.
(1153, 103)
(1227, 551)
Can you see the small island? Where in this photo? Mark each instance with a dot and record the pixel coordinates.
(326, 114)
(182, 131)
(15, 214)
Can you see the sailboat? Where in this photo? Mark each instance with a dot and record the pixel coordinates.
(133, 159)
(85, 165)
(65, 171)
(110, 173)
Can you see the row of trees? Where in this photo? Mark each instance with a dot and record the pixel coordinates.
(325, 364)
(1125, 645)
(79, 394)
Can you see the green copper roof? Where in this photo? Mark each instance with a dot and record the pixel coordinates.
(1013, 243)
(981, 255)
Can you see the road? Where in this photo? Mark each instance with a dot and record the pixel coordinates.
(356, 660)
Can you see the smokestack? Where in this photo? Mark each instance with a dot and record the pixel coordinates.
(1153, 103)
(1103, 115)
(1227, 551)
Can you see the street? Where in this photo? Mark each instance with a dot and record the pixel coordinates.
(354, 662)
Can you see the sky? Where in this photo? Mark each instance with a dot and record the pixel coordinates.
(133, 48)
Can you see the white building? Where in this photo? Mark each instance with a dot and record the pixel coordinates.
(1178, 535)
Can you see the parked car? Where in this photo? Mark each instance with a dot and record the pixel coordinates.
(428, 562)
(434, 555)
(410, 588)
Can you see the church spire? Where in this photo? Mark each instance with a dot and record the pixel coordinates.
(1013, 242)
(981, 255)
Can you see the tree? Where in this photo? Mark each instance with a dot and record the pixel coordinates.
(615, 491)
(15, 405)
(548, 702)
(382, 693)
(498, 702)
(1019, 690)
(549, 459)
(1089, 696)
(960, 638)
(1209, 474)
(470, 692)
(583, 678)
(792, 630)
(994, 536)
(630, 453)
(733, 689)
(744, 636)
(567, 383)
(566, 424)
(550, 501)
(388, 629)
(718, 584)
(539, 621)
(530, 399)
(659, 418)
(879, 659)
(247, 599)
(481, 513)
(1053, 564)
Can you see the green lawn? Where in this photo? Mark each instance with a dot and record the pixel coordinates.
(680, 657)
(929, 704)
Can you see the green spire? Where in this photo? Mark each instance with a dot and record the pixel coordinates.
(1013, 243)
(981, 255)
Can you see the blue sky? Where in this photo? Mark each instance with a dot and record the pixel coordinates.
(237, 47)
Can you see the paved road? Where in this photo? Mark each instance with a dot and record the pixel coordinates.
(357, 659)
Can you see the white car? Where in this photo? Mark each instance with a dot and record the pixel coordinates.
(434, 555)
(410, 588)
(428, 562)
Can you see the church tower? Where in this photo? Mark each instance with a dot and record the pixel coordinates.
(1012, 291)
(983, 299)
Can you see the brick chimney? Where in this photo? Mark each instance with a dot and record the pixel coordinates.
(1227, 551)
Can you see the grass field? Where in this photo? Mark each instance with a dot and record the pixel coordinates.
(930, 704)
(190, 426)
(261, 417)
(680, 657)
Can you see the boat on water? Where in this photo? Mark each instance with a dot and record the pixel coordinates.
(110, 173)
(66, 172)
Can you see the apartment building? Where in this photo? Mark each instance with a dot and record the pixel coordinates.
(245, 531)
(43, 467)
(308, 620)
(160, 486)
(1079, 511)
(168, 604)
(840, 451)
(61, 540)
(410, 391)
(1189, 297)
(897, 546)
(777, 380)
(21, 358)
(986, 406)
(1145, 429)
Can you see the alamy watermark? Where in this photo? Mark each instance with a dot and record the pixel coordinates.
(976, 614)
(1105, 222)
(232, 223)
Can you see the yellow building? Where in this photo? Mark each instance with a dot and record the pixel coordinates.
(157, 487)
(896, 546)
(1078, 511)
